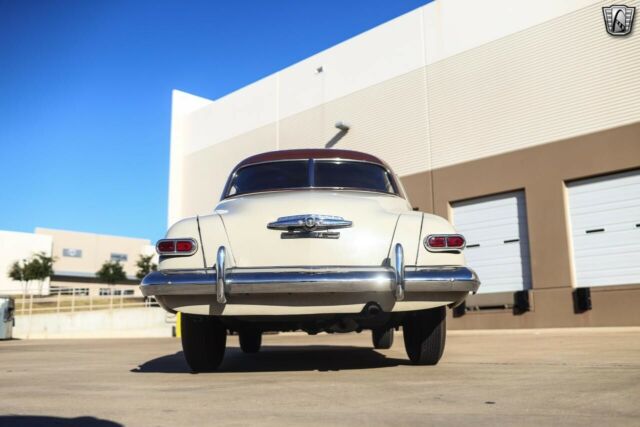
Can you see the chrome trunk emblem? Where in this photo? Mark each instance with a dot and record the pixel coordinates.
(309, 226)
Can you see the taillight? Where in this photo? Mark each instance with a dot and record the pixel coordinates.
(176, 247)
(455, 241)
(437, 242)
(184, 246)
(164, 246)
(444, 242)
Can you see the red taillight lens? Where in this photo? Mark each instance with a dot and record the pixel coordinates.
(184, 246)
(456, 242)
(176, 247)
(165, 246)
(444, 242)
(437, 242)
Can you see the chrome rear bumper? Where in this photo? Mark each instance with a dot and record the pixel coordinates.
(227, 282)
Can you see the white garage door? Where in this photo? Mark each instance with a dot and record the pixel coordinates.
(605, 229)
(497, 240)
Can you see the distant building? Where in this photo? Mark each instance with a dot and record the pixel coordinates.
(78, 257)
(15, 246)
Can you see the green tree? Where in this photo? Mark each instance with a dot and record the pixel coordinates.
(111, 272)
(17, 272)
(145, 266)
(39, 268)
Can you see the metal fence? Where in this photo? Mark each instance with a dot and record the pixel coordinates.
(71, 301)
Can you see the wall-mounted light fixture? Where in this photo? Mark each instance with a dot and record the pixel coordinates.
(343, 129)
(319, 69)
(342, 126)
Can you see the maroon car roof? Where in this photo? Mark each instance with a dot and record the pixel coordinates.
(316, 153)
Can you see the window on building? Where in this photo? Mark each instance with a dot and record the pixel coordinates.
(128, 292)
(105, 291)
(64, 290)
(119, 257)
(72, 253)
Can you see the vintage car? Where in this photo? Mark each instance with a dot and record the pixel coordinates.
(320, 240)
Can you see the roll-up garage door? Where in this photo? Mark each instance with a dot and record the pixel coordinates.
(605, 229)
(497, 240)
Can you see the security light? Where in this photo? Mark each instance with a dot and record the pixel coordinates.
(342, 126)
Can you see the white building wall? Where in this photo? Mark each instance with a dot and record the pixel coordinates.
(15, 246)
(453, 81)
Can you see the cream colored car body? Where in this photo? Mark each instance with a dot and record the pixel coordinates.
(380, 221)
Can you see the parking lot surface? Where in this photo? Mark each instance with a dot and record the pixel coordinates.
(535, 377)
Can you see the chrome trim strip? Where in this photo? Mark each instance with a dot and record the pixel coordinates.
(325, 279)
(280, 190)
(220, 276)
(311, 172)
(309, 222)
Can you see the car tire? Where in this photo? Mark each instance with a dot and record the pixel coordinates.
(204, 339)
(250, 341)
(424, 333)
(382, 338)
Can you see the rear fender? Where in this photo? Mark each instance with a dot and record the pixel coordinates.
(433, 224)
(210, 236)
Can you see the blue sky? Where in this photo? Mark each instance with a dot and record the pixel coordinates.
(85, 94)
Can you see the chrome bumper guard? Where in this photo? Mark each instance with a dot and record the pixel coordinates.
(226, 282)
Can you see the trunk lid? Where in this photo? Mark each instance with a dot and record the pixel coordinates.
(365, 243)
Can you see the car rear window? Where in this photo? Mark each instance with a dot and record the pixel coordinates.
(270, 176)
(295, 174)
(358, 175)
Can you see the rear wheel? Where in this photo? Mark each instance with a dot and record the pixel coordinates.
(204, 339)
(382, 338)
(424, 335)
(250, 341)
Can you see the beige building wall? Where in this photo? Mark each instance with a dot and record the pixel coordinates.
(464, 99)
(446, 83)
(92, 250)
(542, 172)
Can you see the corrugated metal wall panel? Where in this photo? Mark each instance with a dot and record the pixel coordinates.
(454, 26)
(249, 108)
(206, 171)
(302, 130)
(559, 79)
(556, 80)
(387, 120)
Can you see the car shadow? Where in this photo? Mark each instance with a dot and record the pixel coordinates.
(37, 421)
(273, 358)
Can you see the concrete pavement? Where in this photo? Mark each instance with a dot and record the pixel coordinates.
(543, 377)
